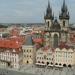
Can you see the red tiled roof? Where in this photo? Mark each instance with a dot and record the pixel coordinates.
(18, 38)
(9, 43)
(46, 48)
(63, 45)
(37, 40)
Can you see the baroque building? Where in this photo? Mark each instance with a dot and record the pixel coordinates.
(56, 32)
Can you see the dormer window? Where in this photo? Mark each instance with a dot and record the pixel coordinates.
(14, 50)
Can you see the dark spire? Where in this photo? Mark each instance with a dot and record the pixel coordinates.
(48, 4)
(49, 12)
(64, 11)
(64, 7)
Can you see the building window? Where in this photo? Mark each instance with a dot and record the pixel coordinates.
(24, 55)
(56, 63)
(30, 56)
(42, 62)
(55, 41)
(47, 58)
(64, 23)
(40, 57)
(44, 56)
(64, 65)
(24, 50)
(27, 50)
(48, 23)
(30, 50)
(69, 65)
(51, 63)
(27, 55)
(47, 63)
(27, 62)
(38, 61)
(59, 64)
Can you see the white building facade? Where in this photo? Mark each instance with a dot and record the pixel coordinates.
(64, 57)
(11, 58)
(57, 57)
(44, 57)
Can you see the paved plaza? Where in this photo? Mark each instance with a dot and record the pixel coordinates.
(33, 70)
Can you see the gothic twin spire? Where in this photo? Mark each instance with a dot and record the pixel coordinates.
(49, 14)
(64, 12)
(63, 15)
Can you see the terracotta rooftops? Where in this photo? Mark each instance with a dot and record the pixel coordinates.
(64, 45)
(10, 43)
(38, 40)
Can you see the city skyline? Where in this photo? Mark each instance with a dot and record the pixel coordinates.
(31, 11)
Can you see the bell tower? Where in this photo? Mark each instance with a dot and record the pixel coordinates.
(48, 16)
(64, 16)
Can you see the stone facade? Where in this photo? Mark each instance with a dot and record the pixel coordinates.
(54, 30)
(44, 57)
(55, 57)
(64, 57)
(29, 53)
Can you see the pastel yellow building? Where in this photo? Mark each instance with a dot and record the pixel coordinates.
(28, 54)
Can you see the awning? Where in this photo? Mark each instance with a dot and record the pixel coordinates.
(50, 65)
(40, 64)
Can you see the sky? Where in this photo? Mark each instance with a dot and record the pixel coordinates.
(31, 11)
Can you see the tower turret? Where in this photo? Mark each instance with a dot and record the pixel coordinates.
(49, 16)
(64, 16)
(64, 12)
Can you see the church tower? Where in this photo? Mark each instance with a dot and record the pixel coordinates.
(64, 17)
(48, 16)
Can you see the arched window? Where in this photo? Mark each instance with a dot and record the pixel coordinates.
(51, 63)
(48, 23)
(38, 61)
(55, 41)
(64, 65)
(60, 64)
(47, 63)
(27, 62)
(56, 63)
(42, 62)
(64, 23)
(69, 66)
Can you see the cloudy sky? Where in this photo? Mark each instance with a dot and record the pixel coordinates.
(29, 11)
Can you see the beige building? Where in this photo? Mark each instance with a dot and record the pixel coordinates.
(29, 53)
(44, 57)
(64, 57)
